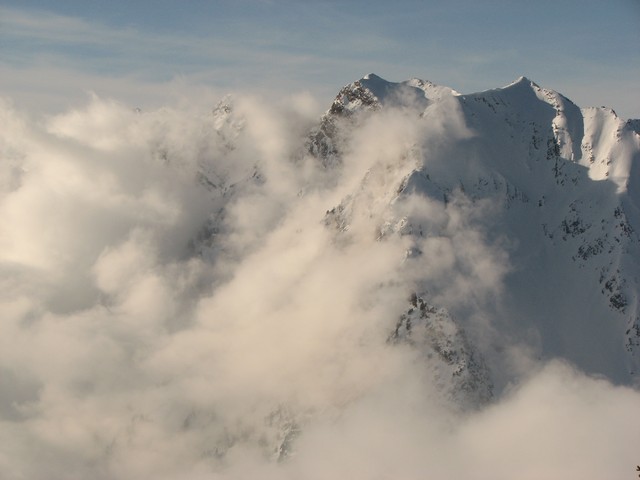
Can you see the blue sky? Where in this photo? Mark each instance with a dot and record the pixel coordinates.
(145, 52)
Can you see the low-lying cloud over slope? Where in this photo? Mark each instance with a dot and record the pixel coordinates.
(174, 305)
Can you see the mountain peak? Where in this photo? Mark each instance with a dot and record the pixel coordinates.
(522, 81)
(373, 77)
(378, 86)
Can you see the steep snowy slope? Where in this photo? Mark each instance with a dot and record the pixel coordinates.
(552, 183)
(517, 213)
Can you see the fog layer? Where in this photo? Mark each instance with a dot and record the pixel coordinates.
(176, 303)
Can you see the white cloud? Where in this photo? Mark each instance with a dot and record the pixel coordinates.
(558, 424)
(124, 355)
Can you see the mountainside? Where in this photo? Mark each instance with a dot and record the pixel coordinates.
(562, 185)
(516, 210)
(517, 214)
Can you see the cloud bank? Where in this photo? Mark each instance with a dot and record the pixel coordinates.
(174, 305)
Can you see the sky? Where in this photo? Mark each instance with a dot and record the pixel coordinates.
(150, 52)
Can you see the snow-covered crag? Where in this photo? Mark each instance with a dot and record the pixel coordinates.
(455, 366)
(563, 188)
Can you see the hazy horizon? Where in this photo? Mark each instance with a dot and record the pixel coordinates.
(150, 53)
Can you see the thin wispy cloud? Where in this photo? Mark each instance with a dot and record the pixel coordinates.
(57, 34)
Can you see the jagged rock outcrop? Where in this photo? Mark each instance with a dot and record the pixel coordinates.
(456, 367)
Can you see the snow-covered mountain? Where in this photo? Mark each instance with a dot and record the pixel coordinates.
(555, 185)
(517, 212)
(562, 185)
